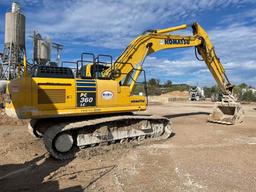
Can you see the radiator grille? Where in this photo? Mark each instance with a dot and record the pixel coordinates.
(51, 96)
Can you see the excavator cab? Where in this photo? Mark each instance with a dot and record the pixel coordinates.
(95, 65)
(91, 70)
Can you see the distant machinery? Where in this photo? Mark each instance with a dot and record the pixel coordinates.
(196, 94)
(41, 50)
(14, 43)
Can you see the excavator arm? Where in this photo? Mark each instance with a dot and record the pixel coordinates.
(155, 40)
(129, 65)
(207, 52)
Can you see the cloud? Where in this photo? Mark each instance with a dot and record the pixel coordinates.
(111, 23)
(195, 72)
(179, 71)
(235, 41)
(247, 16)
(234, 45)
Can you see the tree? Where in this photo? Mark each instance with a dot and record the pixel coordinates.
(209, 91)
(154, 87)
(154, 82)
(243, 86)
(237, 92)
(248, 96)
(168, 83)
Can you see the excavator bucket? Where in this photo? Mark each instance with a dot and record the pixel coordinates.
(229, 113)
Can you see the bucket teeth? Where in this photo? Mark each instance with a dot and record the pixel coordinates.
(229, 113)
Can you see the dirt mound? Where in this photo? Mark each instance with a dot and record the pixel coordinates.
(170, 97)
(177, 94)
(6, 120)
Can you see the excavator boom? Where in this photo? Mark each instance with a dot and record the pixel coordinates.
(227, 112)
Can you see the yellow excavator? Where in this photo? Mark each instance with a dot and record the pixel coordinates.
(92, 102)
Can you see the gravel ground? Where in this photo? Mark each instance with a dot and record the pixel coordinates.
(200, 156)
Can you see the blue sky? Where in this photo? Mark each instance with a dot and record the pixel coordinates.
(107, 27)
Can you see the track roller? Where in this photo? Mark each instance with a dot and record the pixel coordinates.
(62, 140)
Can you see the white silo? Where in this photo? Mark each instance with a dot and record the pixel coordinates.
(14, 28)
(14, 41)
(41, 49)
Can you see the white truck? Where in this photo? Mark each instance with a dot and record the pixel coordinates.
(196, 93)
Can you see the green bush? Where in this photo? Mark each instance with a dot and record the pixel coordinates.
(154, 87)
(248, 96)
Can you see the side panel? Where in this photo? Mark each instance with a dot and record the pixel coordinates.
(19, 98)
(85, 93)
(107, 93)
(123, 96)
(53, 94)
(55, 97)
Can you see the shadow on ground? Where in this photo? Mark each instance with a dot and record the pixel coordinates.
(186, 114)
(30, 176)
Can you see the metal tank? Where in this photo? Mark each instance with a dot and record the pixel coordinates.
(14, 43)
(14, 28)
(42, 49)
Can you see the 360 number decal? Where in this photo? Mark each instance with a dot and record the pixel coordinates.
(86, 99)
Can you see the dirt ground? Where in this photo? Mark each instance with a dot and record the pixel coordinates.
(200, 156)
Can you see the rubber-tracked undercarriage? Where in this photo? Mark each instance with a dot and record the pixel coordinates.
(63, 138)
